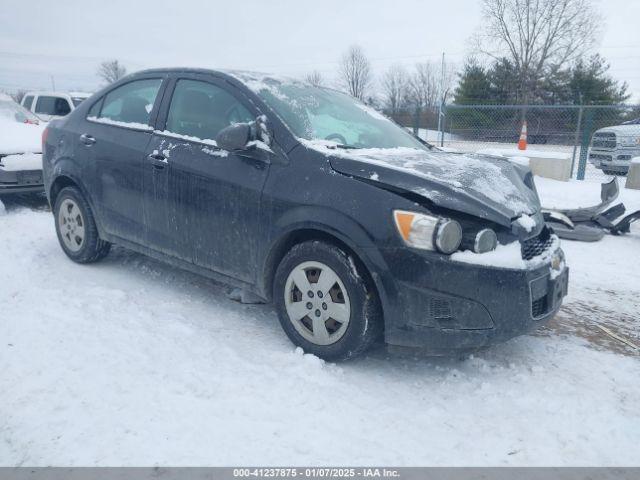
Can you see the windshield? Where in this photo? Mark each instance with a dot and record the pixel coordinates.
(10, 110)
(315, 113)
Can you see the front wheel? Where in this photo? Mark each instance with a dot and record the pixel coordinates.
(324, 303)
(76, 227)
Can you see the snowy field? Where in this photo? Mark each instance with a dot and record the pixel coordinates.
(131, 362)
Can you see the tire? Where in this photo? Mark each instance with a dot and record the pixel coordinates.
(308, 318)
(76, 227)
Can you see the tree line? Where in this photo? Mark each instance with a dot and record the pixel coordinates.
(526, 52)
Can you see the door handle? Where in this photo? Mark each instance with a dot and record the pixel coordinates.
(158, 160)
(87, 139)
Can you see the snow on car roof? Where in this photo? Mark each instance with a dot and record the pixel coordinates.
(51, 93)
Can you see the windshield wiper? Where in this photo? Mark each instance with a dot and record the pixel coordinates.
(430, 146)
(345, 147)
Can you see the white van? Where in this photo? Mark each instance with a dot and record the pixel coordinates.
(49, 105)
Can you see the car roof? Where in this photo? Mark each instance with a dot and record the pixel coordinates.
(243, 76)
(50, 93)
(168, 70)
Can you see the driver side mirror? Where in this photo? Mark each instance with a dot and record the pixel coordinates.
(239, 135)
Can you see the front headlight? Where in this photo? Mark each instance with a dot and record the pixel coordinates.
(427, 232)
(629, 141)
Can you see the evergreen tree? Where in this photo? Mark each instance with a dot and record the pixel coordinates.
(503, 78)
(474, 86)
(590, 84)
(586, 82)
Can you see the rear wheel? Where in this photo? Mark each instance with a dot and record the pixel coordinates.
(324, 303)
(76, 227)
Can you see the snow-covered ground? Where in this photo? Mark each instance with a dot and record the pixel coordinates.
(131, 362)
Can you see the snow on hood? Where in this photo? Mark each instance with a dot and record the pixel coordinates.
(16, 137)
(481, 186)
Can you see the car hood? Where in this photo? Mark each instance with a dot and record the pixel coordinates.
(480, 185)
(631, 130)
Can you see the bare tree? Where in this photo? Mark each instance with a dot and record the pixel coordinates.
(395, 83)
(355, 72)
(18, 95)
(111, 71)
(315, 78)
(538, 36)
(428, 87)
(424, 86)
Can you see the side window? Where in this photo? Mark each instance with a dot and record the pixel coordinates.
(132, 102)
(62, 107)
(28, 100)
(95, 109)
(201, 110)
(46, 105)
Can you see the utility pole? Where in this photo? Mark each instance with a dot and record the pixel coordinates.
(53, 83)
(440, 114)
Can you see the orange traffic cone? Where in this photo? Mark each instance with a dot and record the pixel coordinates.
(522, 143)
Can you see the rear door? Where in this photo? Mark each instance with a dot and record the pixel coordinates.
(202, 204)
(115, 138)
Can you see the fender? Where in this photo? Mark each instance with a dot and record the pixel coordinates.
(305, 220)
(69, 168)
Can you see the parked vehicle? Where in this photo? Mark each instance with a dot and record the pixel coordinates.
(635, 121)
(20, 147)
(305, 197)
(612, 148)
(49, 105)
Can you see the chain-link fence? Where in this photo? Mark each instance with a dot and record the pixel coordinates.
(598, 140)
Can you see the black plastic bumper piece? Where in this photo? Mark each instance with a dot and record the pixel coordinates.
(446, 307)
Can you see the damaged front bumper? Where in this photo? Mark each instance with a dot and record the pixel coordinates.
(444, 306)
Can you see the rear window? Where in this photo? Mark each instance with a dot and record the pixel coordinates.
(48, 105)
(28, 100)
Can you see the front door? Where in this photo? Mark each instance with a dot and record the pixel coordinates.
(202, 204)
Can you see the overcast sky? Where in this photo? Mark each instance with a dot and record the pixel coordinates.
(67, 39)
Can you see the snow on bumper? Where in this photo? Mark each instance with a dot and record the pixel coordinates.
(510, 256)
